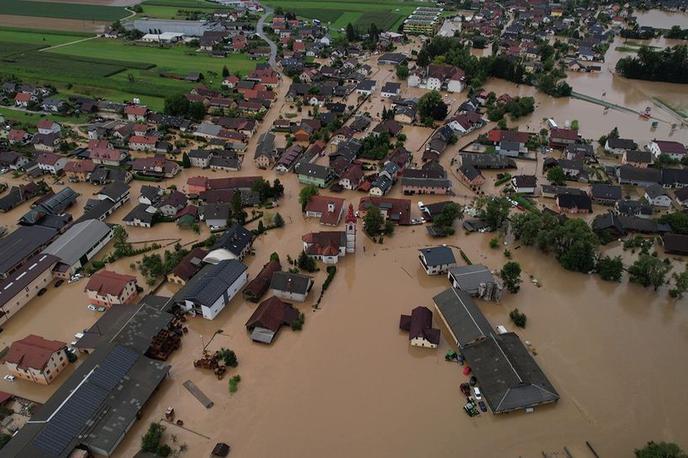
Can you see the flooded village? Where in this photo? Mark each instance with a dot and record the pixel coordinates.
(358, 248)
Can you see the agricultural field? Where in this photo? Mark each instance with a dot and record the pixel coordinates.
(130, 70)
(386, 14)
(26, 119)
(61, 10)
(178, 9)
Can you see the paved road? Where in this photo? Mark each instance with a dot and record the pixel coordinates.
(261, 34)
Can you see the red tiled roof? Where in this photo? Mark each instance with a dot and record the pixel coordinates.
(45, 124)
(143, 140)
(33, 352)
(321, 204)
(107, 282)
(23, 97)
(86, 165)
(136, 110)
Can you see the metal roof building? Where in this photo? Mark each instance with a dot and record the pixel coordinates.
(21, 244)
(80, 243)
(100, 402)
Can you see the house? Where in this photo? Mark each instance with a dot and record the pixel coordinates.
(524, 184)
(674, 150)
(328, 209)
(216, 215)
(436, 260)
(315, 174)
(51, 205)
(326, 246)
(140, 216)
(53, 105)
(46, 126)
(189, 266)
(36, 359)
(405, 114)
(51, 162)
(471, 176)
(419, 326)
(289, 158)
(151, 195)
(352, 177)
(257, 287)
(18, 136)
(143, 142)
(78, 245)
(156, 167)
(366, 87)
(268, 318)
(657, 196)
(637, 158)
(392, 58)
(395, 210)
(172, 203)
(12, 160)
(477, 281)
(106, 155)
(266, 152)
(639, 176)
(136, 112)
(465, 123)
(639, 208)
(23, 283)
(675, 244)
(46, 142)
(561, 138)
(390, 90)
(22, 99)
(619, 146)
(445, 76)
(211, 289)
(574, 203)
(108, 288)
(423, 181)
(605, 194)
(681, 196)
(200, 158)
(234, 243)
(290, 286)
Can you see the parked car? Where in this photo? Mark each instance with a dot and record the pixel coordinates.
(9, 378)
(42, 291)
(58, 283)
(91, 307)
(477, 394)
(482, 406)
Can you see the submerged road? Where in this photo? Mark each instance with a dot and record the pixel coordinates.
(260, 32)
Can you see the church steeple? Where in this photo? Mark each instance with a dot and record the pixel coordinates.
(350, 230)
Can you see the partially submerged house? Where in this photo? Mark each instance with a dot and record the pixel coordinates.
(436, 260)
(268, 319)
(419, 326)
(291, 286)
(476, 280)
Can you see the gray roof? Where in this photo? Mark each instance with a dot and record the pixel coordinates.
(292, 283)
(98, 403)
(509, 377)
(22, 278)
(20, 244)
(469, 278)
(438, 256)
(462, 316)
(208, 285)
(313, 170)
(266, 145)
(78, 240)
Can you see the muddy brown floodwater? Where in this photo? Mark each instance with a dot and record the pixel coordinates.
(661, 19)
(348, 384)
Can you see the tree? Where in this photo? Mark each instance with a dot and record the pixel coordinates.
(277, 220)
(151, 440)
(430, 105)
(225, 72)
(649, 270)
(196, 111)
(610, 269)
(228, 356)
(660, 450)
(351, 34)
(556, 176)
(444, 222)
(680, 285)
(495, 212)
(402, 72)
(677, 220)
(511, 274)
(306, 263)
(237, 208)
(186, 162)
(519, 318)
(373, 222)
(176, 105)
(306, 194)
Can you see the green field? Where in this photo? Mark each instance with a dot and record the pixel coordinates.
(62, 10)
(386, 14)
(130, 70)
(30, 119)
(175, 9)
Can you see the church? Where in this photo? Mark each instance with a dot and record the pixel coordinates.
(329, 246)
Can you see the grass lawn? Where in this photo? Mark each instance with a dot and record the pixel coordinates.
(62, 10)
(30, 119)
(38, 37)
(130, 70)
(176, 9)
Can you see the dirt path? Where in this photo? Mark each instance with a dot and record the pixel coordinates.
(67, 44)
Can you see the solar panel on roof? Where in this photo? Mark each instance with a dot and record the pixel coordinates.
(68, 422)
(115, 366)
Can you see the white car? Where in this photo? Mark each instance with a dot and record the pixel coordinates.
(476, 392)
(9, 378)
(91, 307)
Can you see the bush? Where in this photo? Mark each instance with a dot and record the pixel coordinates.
(150, 442)
(518, 318)
(164, 450)
(494, 243)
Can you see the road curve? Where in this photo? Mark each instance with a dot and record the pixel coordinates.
(261, 34)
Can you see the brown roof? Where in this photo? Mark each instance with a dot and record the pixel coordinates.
(86, 165)
(272, 314)
(33, 352)
(419, 324)
(107, 282)
(398, 210)
(190, 264)
(320, 204)
(259, 285)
